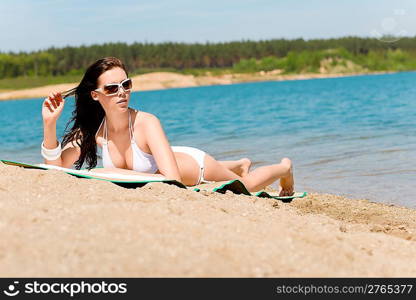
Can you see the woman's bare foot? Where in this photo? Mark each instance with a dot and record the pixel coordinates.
(287, 183)
(243, 167)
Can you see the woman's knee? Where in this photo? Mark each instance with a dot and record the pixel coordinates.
(215, 171)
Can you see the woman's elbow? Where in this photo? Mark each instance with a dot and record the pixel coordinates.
(173, 176)
(56, 162)
(177, 178)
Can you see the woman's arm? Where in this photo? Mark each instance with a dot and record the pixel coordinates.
(160, 148)
(126, 172)
(52, 108)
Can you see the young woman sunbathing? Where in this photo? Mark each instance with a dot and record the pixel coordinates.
(134, 141)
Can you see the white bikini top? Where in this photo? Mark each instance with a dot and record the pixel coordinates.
(142, 161)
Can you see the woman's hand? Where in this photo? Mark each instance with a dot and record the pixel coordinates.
(52, 108)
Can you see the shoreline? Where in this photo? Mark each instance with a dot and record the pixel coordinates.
(91, 228)
(167, 80)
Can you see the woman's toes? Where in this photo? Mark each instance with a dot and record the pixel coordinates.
(286, 192)
(245, 166)
(246, 162)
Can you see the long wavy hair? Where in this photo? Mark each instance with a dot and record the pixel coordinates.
(88, 113)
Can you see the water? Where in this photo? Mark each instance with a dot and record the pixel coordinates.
(351, 136)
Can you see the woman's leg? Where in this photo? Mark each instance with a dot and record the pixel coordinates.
(240, 167)
(266, 175)
(256, 179)
(217, 171)
(188, 168)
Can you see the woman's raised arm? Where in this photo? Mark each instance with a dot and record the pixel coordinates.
(51, 149)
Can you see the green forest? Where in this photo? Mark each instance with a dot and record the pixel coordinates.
(348, 54)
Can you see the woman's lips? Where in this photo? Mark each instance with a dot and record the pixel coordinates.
(121, 101)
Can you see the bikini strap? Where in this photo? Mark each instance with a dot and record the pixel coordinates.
(131, 129)
(105, 134)
(105, 129)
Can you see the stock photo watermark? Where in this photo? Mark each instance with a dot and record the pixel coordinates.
(390, 28)
(71, 289)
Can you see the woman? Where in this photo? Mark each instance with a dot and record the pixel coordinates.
(135, 140)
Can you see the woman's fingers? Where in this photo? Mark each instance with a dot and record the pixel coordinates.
(51, 100)
(54, 104)
(55, 99)
(59, 98)
(48, 106)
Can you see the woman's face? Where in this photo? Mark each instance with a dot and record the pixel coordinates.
(120, 100)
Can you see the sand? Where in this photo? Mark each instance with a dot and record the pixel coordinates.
(55, 225)
(166, 80)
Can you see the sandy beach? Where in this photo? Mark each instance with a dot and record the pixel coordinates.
(166, 80)
(55, 225)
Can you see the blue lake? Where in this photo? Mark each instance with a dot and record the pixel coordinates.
(351, 136)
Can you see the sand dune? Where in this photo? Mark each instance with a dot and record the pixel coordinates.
(53, 224)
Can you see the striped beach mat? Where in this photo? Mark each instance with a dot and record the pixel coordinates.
(135, 181)
(126, 181)
(237, 187)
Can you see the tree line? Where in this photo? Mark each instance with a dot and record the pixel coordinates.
(180, 56)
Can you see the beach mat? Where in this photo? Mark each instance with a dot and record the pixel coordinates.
(135, 181)
(126, 181)
(237, 187)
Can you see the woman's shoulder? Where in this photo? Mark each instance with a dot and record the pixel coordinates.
(99, 135)
(143, 118)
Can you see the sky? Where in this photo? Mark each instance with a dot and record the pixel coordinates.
(31, 25)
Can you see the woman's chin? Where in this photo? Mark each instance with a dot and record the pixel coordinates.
(123, 105)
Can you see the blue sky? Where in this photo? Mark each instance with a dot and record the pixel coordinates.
(39, 24)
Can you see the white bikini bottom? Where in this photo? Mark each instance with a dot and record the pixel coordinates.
(198, 155)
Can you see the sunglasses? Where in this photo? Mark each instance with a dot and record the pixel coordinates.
(112, 89)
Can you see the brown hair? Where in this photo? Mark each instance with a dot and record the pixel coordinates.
(88, 113)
